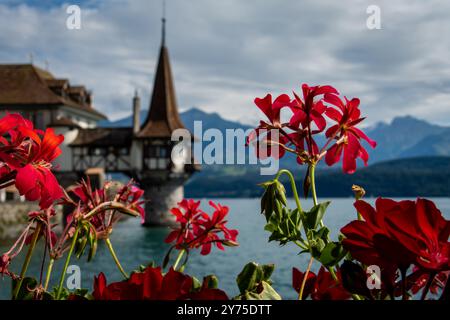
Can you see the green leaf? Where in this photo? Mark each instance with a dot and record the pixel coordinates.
(315, 215)
(196, 284)
(264, 292)
(267, 270)
(25, 292)
(81, 245)
(254, 283)
(281, 193)
(92, 251)
(270, 227)
(332, 254)
(268, 293)
(273, 199)
(249, 277)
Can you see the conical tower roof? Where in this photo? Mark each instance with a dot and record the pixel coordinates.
(163, 117)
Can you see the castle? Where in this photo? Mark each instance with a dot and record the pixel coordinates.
(141, 152)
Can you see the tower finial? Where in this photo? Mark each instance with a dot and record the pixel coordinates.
(163, 39)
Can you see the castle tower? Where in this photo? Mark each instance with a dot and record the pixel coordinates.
(161, 178)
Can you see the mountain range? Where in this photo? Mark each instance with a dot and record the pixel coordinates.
(412, 159)
(404, 137)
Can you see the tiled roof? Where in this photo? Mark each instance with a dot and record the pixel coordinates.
(163, 117)
(104, 137)
(27, 85)
(63, 122)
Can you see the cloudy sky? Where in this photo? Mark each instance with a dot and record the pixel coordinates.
(225, 53)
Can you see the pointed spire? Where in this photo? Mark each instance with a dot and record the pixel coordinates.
(163, 20)
(163, 117)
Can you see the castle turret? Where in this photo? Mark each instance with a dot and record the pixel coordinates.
(136, 113)
(160, 177)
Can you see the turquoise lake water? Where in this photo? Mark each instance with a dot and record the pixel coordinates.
(136, 245)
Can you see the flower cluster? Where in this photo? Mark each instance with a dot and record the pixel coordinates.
(26, 156)
(94, 212)
(96, 205)
(197, 229)
(319, 287)
(298, 135)
(151, 284)
(398, 234)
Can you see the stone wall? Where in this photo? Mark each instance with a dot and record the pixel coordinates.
(14, 217)
(162, 198)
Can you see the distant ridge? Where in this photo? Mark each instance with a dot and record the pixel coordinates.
(404, 137)
(414, 177)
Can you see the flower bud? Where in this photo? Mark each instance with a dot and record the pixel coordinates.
(358, 191)
(230, 243)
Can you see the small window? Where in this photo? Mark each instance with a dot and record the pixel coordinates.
(97, 151)
(124, 151)
(9, 196)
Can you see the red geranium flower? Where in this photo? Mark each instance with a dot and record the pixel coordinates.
(87, 199)
(346, 133)
(297, 281)
(26, 155)
(5, 261)
(308, 110)
(370, 242)
(418, 279)
(272, 110)
(147, 285)
(399, 234)
(197, 229)
(44, 217)
(190, 217)
(35, 180)
(320, 287)
(212, 227)
(270, 145)
(421, 229)
(151, 284)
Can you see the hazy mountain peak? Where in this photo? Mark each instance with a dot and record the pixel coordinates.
(403, 137)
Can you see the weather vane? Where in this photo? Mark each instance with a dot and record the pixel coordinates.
(164, 22)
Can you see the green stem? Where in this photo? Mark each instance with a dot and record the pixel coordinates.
(294, 187)
(116, 260)
(333, 274)
(111, 205)
(49, 272)
(312, 176)
(305, 278)
(301, 244)
(66, 264)
(26, 263)
(178, 259)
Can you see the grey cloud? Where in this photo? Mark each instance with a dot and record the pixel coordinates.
(226, 53)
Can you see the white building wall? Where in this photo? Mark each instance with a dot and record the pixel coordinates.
(64, 161)
(136, 155)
